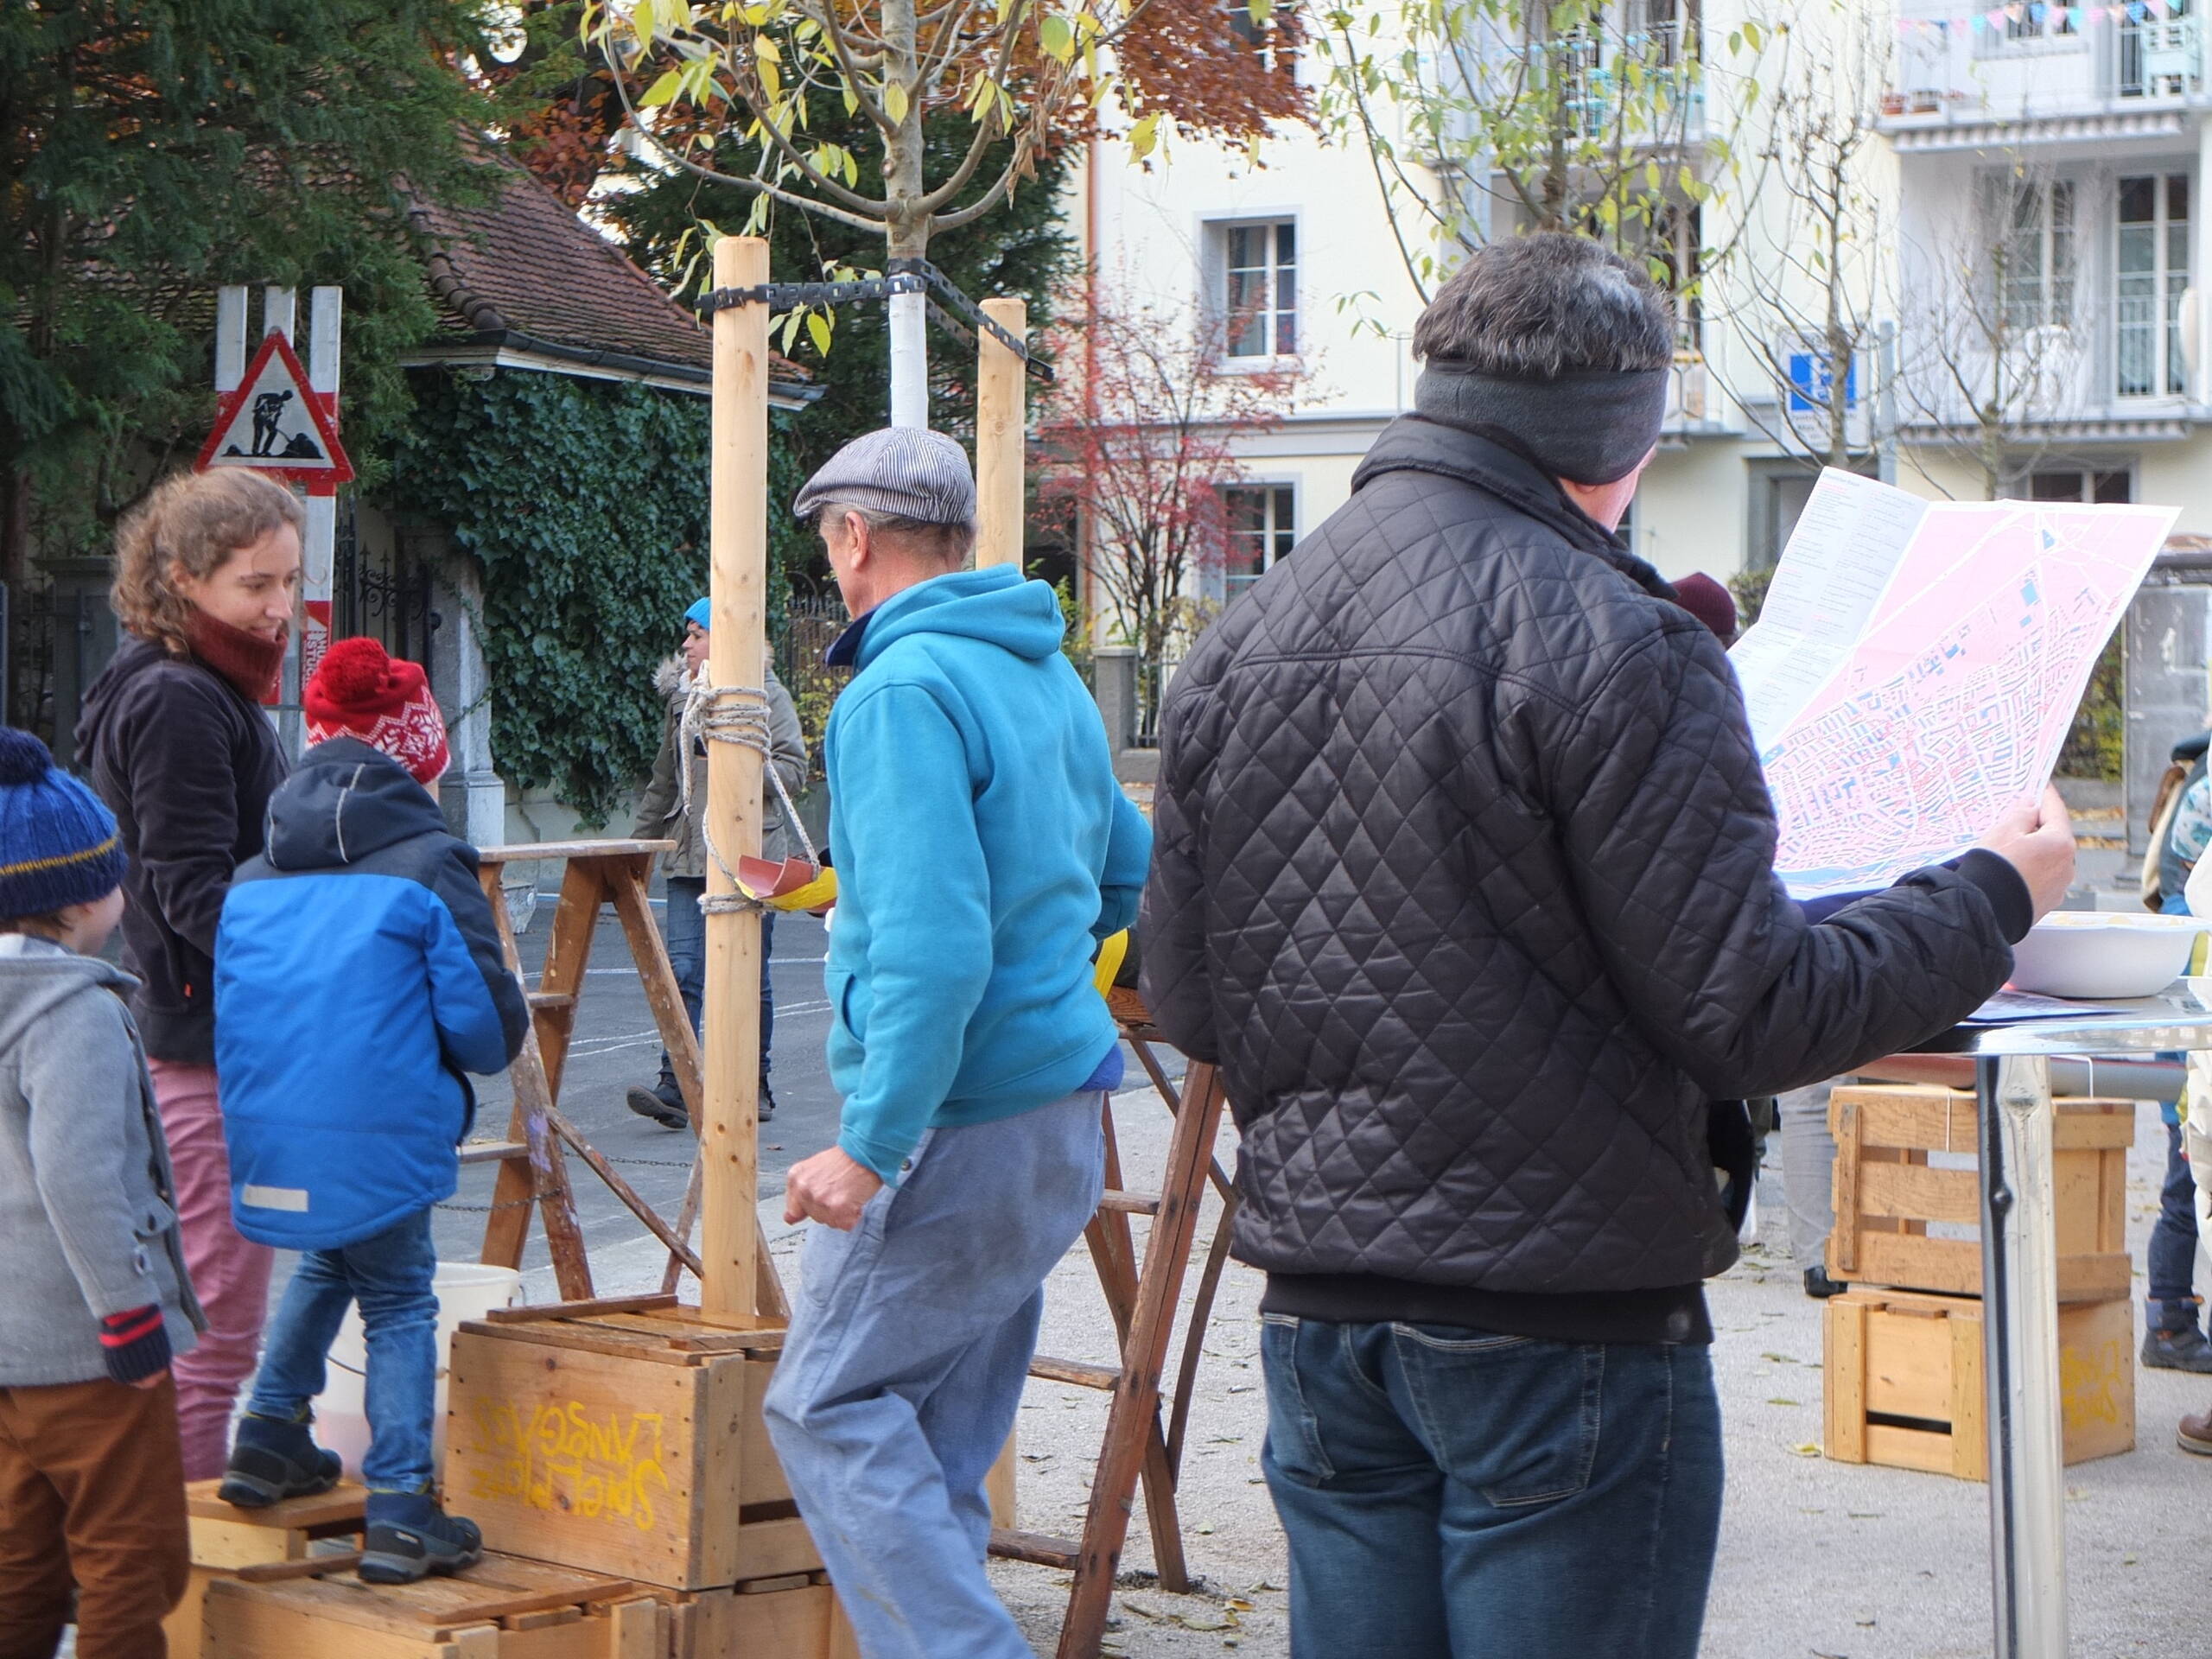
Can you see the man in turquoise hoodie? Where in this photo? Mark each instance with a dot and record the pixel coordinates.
(982, 849)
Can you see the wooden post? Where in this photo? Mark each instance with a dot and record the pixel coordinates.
(730, 1153)
(1002, 418)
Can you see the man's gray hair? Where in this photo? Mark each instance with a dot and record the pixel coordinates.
(1537, 307)
(947, 544)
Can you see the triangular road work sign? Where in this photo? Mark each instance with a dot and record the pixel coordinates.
(273, 424)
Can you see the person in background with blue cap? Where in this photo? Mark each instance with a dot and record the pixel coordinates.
(983, 849)
(664, 815)
(95, 1301)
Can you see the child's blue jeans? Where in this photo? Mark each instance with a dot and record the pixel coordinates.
(389, 1275)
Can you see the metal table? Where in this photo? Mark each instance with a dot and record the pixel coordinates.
(2019, 1265)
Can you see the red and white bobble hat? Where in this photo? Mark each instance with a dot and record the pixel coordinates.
(385, 702)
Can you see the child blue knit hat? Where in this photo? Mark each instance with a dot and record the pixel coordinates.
(701, 611)
(57, 842)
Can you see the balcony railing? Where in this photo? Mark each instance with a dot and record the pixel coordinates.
(2159, 57)
(2093, 60)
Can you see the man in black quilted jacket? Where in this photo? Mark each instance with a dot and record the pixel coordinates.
(1464, 875)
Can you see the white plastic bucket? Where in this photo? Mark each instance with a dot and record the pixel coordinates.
(465, 1290)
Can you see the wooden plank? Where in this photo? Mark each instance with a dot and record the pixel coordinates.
(765, 1549)
(500, 1607)
(584, 1310)
(236, 1625)
(507, 1228)
(790, 1624)
(1131, 1204)
(1040, 1549)
(640, 1630)
(494, 1151)
(1908, 1365)
(586, 1339)
(1843, 1372)
(1893, 1447)
(567, 958)
(545, 851)
(596, 1162)
(1915, 1192)
(759, 1473)
(769, 1587)
(625, 887)
(307, 1566)
(1844, 1107)
(566, 1454)
(1969, 1414)
(1080, 1373)
(1922, 1119)
(2084, 1125)
(1002, 426)
(737, 650)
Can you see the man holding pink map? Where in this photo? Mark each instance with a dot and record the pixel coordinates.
(1916, 665)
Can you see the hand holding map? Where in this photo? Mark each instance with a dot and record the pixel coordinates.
(1916, 665)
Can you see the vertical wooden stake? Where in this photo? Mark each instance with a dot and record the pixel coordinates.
(730, 1153)
(1001, 418)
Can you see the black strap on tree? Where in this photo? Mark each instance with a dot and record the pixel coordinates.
(902, 276)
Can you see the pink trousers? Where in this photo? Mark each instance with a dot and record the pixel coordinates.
(230, 1273)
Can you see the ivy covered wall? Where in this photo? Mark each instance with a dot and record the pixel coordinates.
(586, 501)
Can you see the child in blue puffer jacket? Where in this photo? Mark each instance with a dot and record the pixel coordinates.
(358, 977)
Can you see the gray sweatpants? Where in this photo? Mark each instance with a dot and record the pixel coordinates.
(1808, 1172)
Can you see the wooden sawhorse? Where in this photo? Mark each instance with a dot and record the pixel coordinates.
(1137, 1448)
(533, 1171)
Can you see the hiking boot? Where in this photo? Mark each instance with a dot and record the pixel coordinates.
(409, 1538)
(767, 1101)
(271, 1461)
(2184, 1349)
(1819, 1286)
(2196, 1434)
(664, 1105)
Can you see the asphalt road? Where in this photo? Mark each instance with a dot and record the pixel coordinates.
(616, 1046)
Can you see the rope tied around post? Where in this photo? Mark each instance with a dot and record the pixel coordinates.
(740, 715)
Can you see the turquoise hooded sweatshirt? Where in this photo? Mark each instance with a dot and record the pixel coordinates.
(982, 850)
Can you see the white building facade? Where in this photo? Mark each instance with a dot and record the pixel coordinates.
(1290, 259)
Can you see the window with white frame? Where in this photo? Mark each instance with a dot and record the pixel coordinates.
(1261, 526)
(2150, 270)
(1256, 290)
(2034, 259)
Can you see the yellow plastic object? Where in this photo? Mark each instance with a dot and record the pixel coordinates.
(818, 894)
(1113, 950)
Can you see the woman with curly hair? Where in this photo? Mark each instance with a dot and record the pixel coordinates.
(178, 743)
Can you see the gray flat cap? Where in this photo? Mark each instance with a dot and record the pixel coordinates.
(905, 470)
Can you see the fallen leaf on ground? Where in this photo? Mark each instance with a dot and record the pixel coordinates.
(1806, 1448)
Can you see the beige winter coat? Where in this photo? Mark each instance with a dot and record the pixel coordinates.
(661, 813)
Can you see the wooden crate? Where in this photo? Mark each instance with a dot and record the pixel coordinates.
(622, 1437)
(225, 1538)
(1887, 1195)
(1904, 1386)
(501, 1608)
(796, 1617)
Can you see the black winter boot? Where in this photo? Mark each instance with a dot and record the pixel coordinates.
(664, 1103)
(271, 1461)
(2184, 1349)
(409, 1538)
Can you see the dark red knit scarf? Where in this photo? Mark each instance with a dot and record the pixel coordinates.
(248, 661)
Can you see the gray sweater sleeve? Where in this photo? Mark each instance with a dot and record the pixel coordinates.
(81, 1082)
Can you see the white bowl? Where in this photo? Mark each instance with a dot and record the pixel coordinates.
(2092, 954)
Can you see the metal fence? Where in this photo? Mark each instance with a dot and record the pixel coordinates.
(811, 624)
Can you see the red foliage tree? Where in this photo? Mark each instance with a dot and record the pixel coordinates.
(1137, 443)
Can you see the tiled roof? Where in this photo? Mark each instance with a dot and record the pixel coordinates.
(520, 268)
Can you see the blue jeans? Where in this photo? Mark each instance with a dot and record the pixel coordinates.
(389, 1275)
(900, 1377)
(1447, 1492)
(2173, 1244)
(683, 925)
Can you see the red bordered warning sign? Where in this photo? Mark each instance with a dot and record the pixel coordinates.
(273, 424)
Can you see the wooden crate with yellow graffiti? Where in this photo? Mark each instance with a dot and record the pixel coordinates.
(1904, 1381)
(618, 1436)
